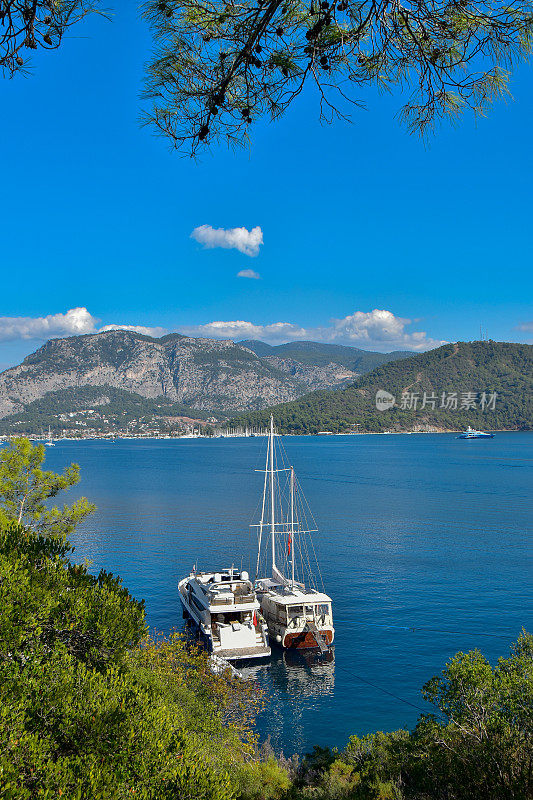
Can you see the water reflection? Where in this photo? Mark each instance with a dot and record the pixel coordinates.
(299, 683)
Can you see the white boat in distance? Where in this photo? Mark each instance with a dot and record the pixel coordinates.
(297, 613)
(470, 433)
(49, 443)
(225, 609)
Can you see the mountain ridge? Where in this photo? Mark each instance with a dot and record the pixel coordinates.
(320, 353)
(464, 368)
(170, 375)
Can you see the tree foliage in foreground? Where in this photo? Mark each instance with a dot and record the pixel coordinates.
(26, 488)
(27, 25)
(219, 65)
(92, 708)
(477, 743)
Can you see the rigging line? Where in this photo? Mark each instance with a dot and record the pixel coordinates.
(306, 508)
(385, 691)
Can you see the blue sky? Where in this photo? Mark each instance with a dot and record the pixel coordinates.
(97, 213)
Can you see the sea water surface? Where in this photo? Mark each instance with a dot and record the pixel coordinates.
(424, 544)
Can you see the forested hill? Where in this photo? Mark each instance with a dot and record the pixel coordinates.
(468, 374)
(319, 354)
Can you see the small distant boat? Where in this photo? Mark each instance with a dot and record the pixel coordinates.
(297, 612)
(470, 433)
(49, 443)
(225, 609)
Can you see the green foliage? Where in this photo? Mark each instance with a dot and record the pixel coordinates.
(319, 354)
(481, 743)
(220, 66)
(500, 367)
(40, 24)
(477, 743)
(117, 409)
(25, 489)
(263, 779)
(92, 708)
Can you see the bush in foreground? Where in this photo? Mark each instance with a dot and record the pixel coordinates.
(477, 745)
(90, 707)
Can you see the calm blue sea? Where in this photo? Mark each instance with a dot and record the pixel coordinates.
(424, 544)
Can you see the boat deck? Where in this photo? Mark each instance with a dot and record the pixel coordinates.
(244, 652)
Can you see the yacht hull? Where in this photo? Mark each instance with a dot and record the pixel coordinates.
(305, 640)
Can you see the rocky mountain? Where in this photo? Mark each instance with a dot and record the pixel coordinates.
(483, 384)
(199, 373)
(175, 375)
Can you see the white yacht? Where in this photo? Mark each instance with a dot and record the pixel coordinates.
(225, 609)
(298, 613)
(471, 433)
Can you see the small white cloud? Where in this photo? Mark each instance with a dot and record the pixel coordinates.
(241, 239)
(526, 326)
(239, 329)
(154, 332)
(249, 273)
(379, 328)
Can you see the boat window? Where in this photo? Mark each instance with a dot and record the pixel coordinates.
(309, 610)
(295, 611)
(322, 609)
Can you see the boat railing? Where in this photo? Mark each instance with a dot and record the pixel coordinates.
(233, 599)
(244, 598)
(221, 601)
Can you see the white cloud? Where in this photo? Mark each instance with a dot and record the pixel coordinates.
(373, 330)
(526, 326)
(154, 332)
(239, 329)
(241, 239)
(378, 329)
(74, 322)
(249, 273)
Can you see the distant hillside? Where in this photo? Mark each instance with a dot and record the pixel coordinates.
(142, 378)
(101, 409)
(462, 368)
(354, 359)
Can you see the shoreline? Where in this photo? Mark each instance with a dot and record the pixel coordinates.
(115, 438)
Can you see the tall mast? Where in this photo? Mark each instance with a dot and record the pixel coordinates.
(272, 510)
(292, 528)
(262, 522)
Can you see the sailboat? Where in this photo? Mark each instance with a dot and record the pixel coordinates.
(298, 614)
(49, 443)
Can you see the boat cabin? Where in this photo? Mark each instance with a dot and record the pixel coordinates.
(293, 610)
